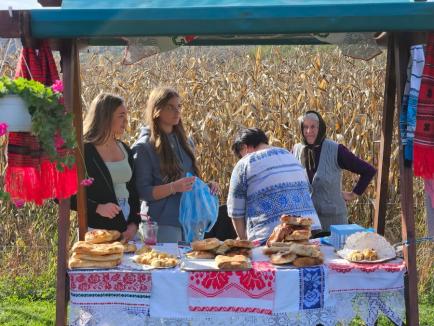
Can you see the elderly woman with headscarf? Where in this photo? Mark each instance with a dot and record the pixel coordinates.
(324, 161)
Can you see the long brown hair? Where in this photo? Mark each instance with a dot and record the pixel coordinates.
(98, 122)
(170, 168)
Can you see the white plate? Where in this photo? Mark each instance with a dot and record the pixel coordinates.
(129, 263)
(345, 252)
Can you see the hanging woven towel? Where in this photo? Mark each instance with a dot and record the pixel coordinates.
(407, 119)
(424, 135)
(30, 175)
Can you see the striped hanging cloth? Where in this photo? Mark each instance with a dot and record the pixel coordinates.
(409, 101)
(30, 175)
(424, 135)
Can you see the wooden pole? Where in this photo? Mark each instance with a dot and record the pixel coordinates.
(78, 124)
(406, 191)
(386, 141)
(72, 97)
(64, 208)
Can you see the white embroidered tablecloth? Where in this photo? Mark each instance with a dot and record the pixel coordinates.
(337, 291)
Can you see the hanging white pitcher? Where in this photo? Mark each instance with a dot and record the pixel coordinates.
(14, 111)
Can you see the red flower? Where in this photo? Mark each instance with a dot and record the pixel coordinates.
(58, 141)
(57, 86)
(3, 128)
(87, 182)
(19, 203)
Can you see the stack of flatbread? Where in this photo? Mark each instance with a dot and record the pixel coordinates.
(235, 262)
(289, 243)
(210, 248)
(101, 249)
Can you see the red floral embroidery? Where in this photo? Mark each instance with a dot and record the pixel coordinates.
(367, 268)
(93, 278)
(120, 286)
(129, 278)
(216, 280)
(257, 285)
(116, 281)
(251, 280)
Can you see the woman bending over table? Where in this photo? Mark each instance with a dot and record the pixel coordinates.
(112, 200)
(266, 182)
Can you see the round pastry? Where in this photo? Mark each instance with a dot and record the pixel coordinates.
(200, 254)
(295, 220)
(239, 243)
(129, 247)
(164, 262)
(299, 235)
(142, 250)
(307, 261)
(206, 244)
(280, 232)
(282, 258)
(272, 250)
(239, 251)
(356, 255)
(370, 254)
(101, 236)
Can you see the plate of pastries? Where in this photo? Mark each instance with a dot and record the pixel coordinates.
(101, 249)
(213, 254)
(289, 246)
(152, 258)
(368, 248)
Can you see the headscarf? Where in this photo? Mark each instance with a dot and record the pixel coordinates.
(308, 153)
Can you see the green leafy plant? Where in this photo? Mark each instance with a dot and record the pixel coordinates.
(50, 122)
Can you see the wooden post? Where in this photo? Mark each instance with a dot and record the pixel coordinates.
(79, 155)
(72, 97)
(406, 189)
(64, 208)
(386, 141)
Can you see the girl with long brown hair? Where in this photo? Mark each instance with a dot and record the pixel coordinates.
(163, 155)
(112, 200)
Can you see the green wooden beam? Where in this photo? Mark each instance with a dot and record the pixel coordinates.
(333, 16)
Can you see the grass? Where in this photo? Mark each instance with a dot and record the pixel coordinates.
(24, 312)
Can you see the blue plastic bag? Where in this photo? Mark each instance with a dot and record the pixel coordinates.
(198, 210)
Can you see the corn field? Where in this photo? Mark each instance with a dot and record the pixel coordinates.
(223, 89)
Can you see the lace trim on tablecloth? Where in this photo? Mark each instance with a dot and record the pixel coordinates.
(344, 308)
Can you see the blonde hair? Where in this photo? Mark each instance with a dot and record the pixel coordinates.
(98, 122)
(169, 166)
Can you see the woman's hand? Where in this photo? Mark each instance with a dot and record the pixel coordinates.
(183, 184)
(349, 196)
(109, 210)
(130, 232)
(214, 186)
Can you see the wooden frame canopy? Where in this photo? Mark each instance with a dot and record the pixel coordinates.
(223, 17)
(249, 22)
